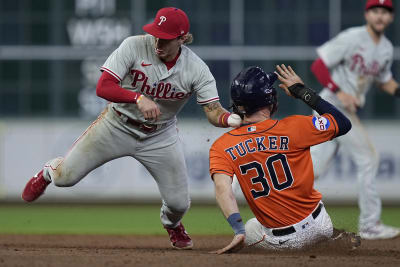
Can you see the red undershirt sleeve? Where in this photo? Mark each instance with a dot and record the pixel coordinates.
(109, 89)
(322, 74)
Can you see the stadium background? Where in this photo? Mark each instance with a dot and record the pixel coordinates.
(51, 50)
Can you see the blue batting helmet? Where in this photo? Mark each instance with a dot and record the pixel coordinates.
(252, 89)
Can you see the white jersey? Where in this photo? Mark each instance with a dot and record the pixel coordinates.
(356, 61)
(137, 67)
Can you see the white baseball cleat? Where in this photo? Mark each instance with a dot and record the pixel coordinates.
(379, 231)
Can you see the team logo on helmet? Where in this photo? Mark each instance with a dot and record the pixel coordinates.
(321, 123)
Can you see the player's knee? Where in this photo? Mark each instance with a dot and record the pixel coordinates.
(178, 206)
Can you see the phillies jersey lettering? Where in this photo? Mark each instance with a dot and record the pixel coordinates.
(273, 166)
(356, 61)
(135, 64)
(161, 90)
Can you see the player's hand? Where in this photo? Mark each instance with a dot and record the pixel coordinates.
(149, 108)
(287, 77)
(349, 102)
(236, 245)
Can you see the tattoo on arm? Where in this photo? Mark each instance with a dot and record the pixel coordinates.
(212, 106)
(213, 112)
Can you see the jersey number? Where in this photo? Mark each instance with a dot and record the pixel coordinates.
(260, 178)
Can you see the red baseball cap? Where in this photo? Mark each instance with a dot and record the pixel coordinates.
(169, 23)
(379, 3)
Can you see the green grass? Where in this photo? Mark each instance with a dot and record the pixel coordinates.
(140, 219)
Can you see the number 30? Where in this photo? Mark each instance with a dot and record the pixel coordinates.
(260, 178)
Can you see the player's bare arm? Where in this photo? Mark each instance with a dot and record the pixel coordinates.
(227, 202)
(148, 108)
(220, 117)
(391, 87)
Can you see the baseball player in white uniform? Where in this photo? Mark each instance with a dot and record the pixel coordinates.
(147, 79)
(347, 66)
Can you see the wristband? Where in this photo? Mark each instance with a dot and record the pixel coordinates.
(333, 87)
(397, 92)
(223, 119)
(236, 223)
(308, 95)
(139, 98)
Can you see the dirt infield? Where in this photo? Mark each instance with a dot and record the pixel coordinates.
(99, 251)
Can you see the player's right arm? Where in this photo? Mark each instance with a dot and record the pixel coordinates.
(323, 75)
(330, 55)
(222, 172)
(227, 202)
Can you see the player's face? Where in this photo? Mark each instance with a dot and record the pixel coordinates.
(167, 50)
(378, 19)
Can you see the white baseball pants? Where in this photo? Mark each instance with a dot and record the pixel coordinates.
(308, 232)
(106, 139)
(358, 145)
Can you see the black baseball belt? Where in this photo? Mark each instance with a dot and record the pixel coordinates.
(290, 230)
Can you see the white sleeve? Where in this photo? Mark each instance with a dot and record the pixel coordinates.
(333, 51)
(121, 60)
(205, 87)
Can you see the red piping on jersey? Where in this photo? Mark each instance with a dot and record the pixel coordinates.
(322, 74)
(209, 100)
(109, 89)
(111, 72)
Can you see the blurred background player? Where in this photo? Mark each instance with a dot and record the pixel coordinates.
(148, 79)
(348, 65)
(272, 162)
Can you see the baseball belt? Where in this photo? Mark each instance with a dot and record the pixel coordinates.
(142, 126)
(290, 230)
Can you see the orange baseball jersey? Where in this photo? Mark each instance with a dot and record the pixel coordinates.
(272, 162)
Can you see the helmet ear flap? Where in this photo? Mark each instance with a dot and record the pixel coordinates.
(237, 110)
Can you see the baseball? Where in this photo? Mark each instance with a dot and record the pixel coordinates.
(234, 120)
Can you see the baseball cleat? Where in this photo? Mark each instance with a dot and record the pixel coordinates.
(179, 237)
(35, 187)
(379, 231)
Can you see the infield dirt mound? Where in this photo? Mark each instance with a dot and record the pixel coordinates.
(99, 251)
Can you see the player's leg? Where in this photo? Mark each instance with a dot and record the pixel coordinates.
(322, 156)
(255, 234)
(163, 157)
(100, 143)
(357, 143)
(321, 230)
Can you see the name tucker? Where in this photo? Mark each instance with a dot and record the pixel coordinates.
(251, 145)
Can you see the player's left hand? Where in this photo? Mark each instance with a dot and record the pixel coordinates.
(236, 245)
(149, 108)
(288, 77)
